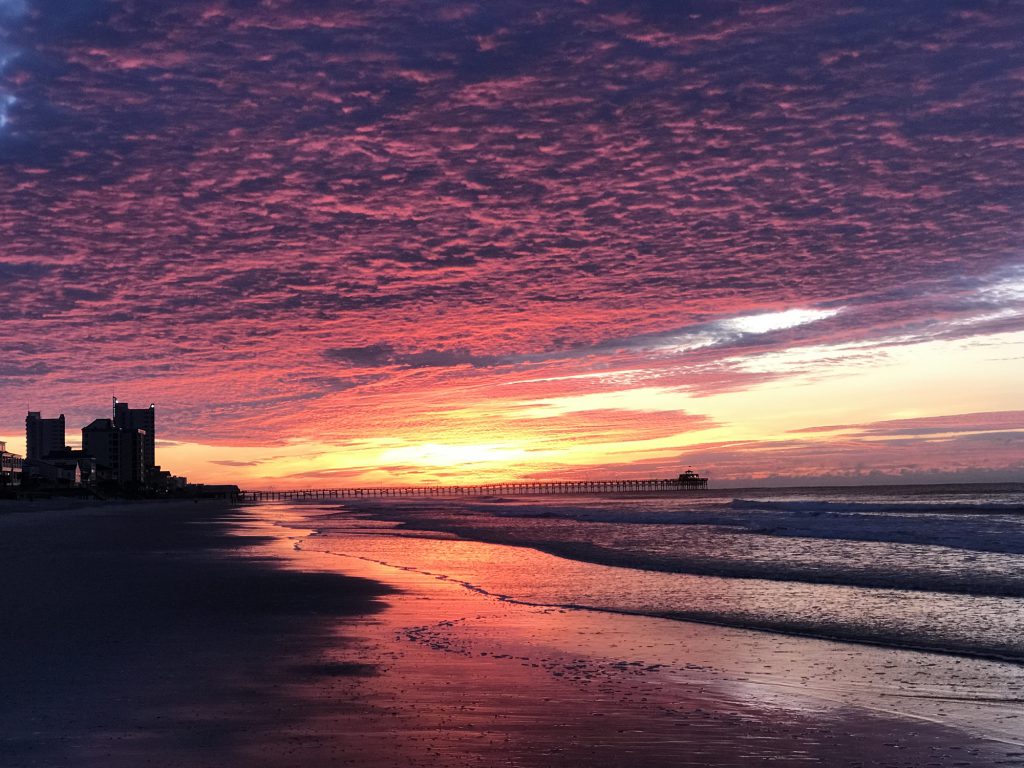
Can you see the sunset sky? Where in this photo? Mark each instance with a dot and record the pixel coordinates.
(344, 243)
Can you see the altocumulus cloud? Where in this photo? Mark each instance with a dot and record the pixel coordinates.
(249, 199)
(381, 355)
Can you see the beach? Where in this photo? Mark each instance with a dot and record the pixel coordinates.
(173, 634)
(133, 635)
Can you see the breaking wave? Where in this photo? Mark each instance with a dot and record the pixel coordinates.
(933, 507)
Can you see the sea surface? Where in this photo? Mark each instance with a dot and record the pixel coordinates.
(937, 568)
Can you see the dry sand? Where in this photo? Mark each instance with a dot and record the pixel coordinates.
(197, 635)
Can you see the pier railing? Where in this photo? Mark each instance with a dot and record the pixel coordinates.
(577, 488)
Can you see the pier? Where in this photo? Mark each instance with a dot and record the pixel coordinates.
(687, 481)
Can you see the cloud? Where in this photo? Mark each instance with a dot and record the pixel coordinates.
(358, 220)
(12, 8)
(380, 355)
(976, 447)
(995, 421)
(13, 369)
(10, 11)
(372, 355)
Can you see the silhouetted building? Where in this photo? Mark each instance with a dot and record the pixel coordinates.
(11, 467)
(162, 481)
(118, 452)
(42, 436)
(215, 491)
(67, 456)
(58, 473)
(139, 418)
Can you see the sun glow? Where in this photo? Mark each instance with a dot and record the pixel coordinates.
(442, 455)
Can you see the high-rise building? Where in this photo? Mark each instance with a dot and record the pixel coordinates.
(43, 435)
(135, 419)
(119, 452)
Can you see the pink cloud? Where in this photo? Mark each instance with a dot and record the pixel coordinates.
(196, 212)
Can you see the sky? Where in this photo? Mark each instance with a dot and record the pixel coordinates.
(415, 241)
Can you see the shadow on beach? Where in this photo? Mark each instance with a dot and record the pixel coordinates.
(131, 635)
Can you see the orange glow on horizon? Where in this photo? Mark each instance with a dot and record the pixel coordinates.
(762, 427)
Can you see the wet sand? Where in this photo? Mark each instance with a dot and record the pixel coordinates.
(191, 635)
(135, 634)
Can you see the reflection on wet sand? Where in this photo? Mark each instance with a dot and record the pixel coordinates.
(467, 677)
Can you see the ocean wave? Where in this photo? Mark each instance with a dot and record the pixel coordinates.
(820, 506)
(1007, 649)
(719, 514)
(960, 584)
(809, 520)
(968, 582)
(929, 570)
(941, 553)
(592, 515)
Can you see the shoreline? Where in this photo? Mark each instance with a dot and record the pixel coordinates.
(682, 617)
(798, 686)
(798, 695)
(585, 567)
(182, 634)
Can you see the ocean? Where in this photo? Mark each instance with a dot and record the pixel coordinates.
(937, 568)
